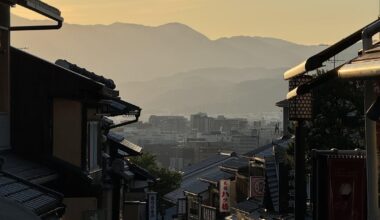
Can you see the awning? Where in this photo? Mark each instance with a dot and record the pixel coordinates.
(114, 107)
(123, 145)
(318, 59)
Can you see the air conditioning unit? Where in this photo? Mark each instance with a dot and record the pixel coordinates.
(4, 131)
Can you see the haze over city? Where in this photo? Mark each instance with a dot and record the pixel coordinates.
(189, 110)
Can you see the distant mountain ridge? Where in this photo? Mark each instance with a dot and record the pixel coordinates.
(130, 52)
(172, 68)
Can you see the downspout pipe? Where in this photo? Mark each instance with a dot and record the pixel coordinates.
(370, 133)
(125, 123)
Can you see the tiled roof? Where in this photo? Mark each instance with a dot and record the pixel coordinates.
(197, 188)
(247, 206)
(258, 150)
(124, 145)
(33, 197)
(216, 176)
(25, 169)
(204, 163)
(70, 66)
(235, 164)
(141, 172)
(192, 174)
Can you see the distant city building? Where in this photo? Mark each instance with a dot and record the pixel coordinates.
(244, 143)
(204, 124)
(175, 124)
(199, 122)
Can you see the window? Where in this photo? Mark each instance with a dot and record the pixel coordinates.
(93, 145)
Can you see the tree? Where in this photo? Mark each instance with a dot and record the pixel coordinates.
(167, 180)
(338, 120)
(338, 117)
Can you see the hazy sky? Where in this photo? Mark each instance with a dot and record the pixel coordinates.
(301, 21)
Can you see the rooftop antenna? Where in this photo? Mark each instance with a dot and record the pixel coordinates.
(334, 61)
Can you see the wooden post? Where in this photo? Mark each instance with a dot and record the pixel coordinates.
(4, 76)
(300, 184)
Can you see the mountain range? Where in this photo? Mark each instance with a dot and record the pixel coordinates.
(172, 68)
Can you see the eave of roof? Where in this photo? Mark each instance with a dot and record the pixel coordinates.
(215, 177)
(15, 50)
(235, 165)
(36, 198)
(247, 206)
(318, 59)
(124, 145)
(196, 188)
(365, 66)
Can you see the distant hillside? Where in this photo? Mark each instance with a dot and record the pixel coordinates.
(217, 91)
(130, 52)
(172, 68)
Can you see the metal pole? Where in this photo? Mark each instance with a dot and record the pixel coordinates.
(299, 179)
(4, 75)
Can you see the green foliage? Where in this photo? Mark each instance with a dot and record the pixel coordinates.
(168, 180)
(338, 120)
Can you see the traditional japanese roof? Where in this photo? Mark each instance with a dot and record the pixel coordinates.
(196, 189)
(123, 144)
(247, 206)
(260, 150)
(365, 66)
(190, 180)
(318, 59)
(215, 177)
(283, 103)
(235, 164)
(216, 159)
(114, 107)
(73, 67)
(141, 173)
(60, 79)
(26, 169)
(35, 198)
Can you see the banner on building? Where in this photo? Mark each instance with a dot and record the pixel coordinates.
(152, 205)
(224, 195)
(346, 188)
(257, 186)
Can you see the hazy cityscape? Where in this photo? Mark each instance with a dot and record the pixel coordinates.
(180, 141)
(189, 110)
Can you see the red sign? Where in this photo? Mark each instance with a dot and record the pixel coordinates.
(257, 186)
(224, 195)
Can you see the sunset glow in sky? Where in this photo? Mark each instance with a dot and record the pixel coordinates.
(306, 22)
